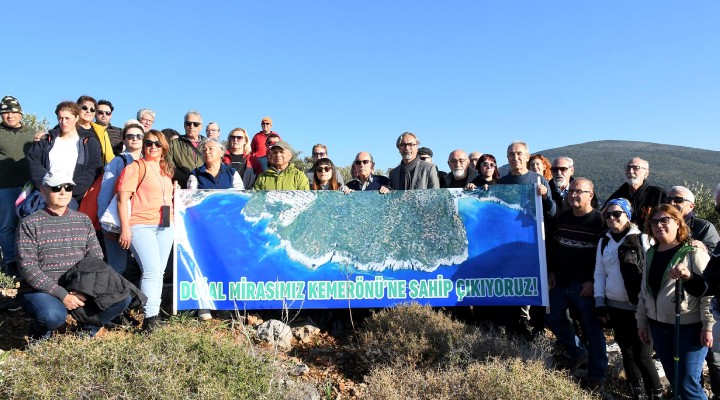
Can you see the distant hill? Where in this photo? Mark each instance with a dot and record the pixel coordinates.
(603, 163)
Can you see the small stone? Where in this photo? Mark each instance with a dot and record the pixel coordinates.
(300, 369)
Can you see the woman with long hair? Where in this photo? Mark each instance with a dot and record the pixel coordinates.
(238, 156)
(148, 230)
(541, 165)
(656, 311)
(619, 263)
(65, 149)
(324, 177)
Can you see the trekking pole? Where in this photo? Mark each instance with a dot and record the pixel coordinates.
(676, 358)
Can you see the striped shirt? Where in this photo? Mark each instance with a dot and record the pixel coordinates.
(48, 245)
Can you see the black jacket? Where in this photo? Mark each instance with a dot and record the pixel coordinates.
(645, 198)
(96, 279)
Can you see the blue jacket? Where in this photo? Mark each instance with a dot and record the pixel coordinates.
(205, 180)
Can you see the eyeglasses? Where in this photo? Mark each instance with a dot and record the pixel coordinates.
(677, 200)
(68, 188)
(664, 221)
(86, 108)
(326, 168)
(408, 144)
(195, 124)
(147, 120)
(150, 143)
(425, 158)
(613, 214)
(577, 191)
(101, 112)
(365, 162)
(487, 164)
(634, 167)
(458, 160)
(319, 154)
(237, 138)
(133, 136)
(265, 123)
(559, 169)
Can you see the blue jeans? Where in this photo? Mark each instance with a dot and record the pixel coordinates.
(8, 221)
(151, 246)
(116, 255)
(49, 313)
(561, 298)
(692, 356)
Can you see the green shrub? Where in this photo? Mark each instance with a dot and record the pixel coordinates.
(7, 281)
(176, 362)
(408, 334)
(704, 202)
(499, 379)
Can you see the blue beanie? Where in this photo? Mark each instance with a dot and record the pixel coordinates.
(622, 203)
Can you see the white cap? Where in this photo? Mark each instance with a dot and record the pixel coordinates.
(57, 178)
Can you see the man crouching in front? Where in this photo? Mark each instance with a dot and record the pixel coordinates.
(51, 242)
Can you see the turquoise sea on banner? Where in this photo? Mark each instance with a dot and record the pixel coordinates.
(226, 246)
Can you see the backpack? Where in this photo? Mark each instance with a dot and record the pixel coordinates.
(632, 263)
(89, 204)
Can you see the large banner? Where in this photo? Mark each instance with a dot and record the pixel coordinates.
(323, 249)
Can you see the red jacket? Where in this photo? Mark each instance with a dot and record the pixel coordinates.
(257, 145)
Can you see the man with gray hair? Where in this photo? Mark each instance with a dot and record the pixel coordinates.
(474, 157)
(213, 130)
(184, 153)
(412, 172)
(146, 117)
(702, 230)
(642, 196)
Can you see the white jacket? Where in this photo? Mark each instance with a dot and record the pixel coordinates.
(609, 285)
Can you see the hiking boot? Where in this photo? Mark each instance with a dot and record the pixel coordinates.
(577, 362)
(150, 324)
(598, 387)
(637, 391)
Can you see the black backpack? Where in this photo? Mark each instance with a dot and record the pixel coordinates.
(632, 263)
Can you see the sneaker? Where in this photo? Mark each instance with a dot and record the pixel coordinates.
(150, 324)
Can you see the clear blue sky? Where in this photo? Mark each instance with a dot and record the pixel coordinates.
(474, 75)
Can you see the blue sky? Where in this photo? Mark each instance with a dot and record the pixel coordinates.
(474, 75)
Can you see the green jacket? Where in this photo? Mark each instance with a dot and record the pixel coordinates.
(185, 158)
(14, 143)
(290, 178)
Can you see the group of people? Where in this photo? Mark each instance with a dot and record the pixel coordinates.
(613, 265)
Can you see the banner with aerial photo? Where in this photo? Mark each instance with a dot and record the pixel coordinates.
(324, 249)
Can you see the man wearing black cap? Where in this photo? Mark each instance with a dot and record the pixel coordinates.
(426, 154)
(412, 172)
(15, 140)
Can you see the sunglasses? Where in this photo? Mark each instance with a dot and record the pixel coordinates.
(86, 108)
(68, 188)
(613, 214)
(660, 221)
(559, 169)
(266, 123)
(319, 154)
(133, 136)
(195, 124)
(150, 143)
(100, 112)
(237, 137)
(677, 200)
(488, 164)
(358, 162)
(326, 168)
(633, 167)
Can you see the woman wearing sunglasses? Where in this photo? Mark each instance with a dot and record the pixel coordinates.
(238, 156)
(132, 135)
(656, 311)
(324, 177)
(87, 127)
(147, 230)
(64, 149)
(487, 172)
(619, 263)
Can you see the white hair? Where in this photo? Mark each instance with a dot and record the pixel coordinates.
(688, 195)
